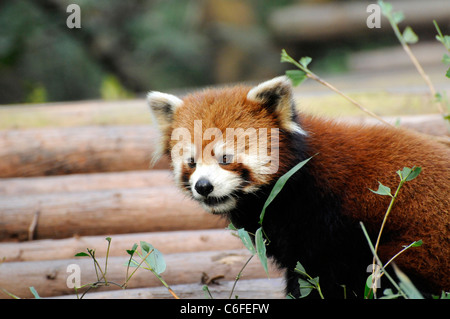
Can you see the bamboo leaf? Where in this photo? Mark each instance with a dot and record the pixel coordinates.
(305, 61)
(382, 190)
(386, 7)
(279, 186)
(305, 287)
(35, 293)
(296, 76)
(261, 249)
(409, 36)
(82, 254)
(245, 237)
(155, 259)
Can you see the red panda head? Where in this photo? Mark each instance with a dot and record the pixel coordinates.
(226, 142)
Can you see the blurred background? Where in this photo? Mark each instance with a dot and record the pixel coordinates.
(126, 48)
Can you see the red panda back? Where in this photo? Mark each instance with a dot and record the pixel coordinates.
(353, 158)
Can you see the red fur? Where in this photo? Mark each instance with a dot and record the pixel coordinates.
(353, 159)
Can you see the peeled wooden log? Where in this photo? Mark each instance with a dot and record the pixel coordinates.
(49, 278)
(166, 242)
(245, 289)
(324, 21)
(104, 212)
(57, 151)
(84, 182)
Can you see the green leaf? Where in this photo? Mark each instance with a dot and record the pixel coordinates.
(132, 250)
(245, 237)
(446, 59)
(261, 249)
(314, 281)
(408, 174)
(279, 186)
(305, 61)
(296, 76)
(305, 287)
(445, 295)
(389, 294)
(206, 292)
(409, 36)
(155, 260)
(417, 243)
(82, 254)
(300, 269)
(382, 190)
(416, 171)
(398, 17)
(446, 42)
(406, 285)
(108, 239)
(35, 293)
(286, 57)
(368, 291)
(404, 173)
(448, 73)
(386, 8)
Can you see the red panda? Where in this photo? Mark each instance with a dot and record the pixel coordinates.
(229, 146)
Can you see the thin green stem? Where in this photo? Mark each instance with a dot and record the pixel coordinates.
(398, 254)
(239, 276)
(391, 204)
(137, 267)
(158, 276)
(372, 248)
(98, 284)
(313, 76)
(413, 59)
(107, 255)
(97, 266)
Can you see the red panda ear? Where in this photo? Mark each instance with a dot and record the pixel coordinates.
(276, 96)
(162, 107)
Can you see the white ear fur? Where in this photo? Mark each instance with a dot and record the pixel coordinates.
(267, 86)
(162, 107)
(276, 95)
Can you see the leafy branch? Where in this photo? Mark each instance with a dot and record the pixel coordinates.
(154, 262)
(308, 284)
(298, 76)
(406, 175)
(150, 256)
(409, 37)
(445, 40)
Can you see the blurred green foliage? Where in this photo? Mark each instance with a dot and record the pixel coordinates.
(131, 46)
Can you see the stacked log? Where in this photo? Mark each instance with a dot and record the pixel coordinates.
(71, 150)
(63, 190)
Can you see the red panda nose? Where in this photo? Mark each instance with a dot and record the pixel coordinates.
(204, 187)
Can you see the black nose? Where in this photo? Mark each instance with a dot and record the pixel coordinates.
(204, 187)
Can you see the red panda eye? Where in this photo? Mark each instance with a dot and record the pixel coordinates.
(191, 162)
(226, 159)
